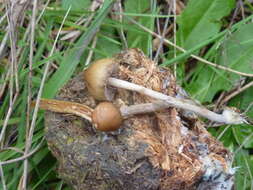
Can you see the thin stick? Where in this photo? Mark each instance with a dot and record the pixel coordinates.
(230, 96)
(192, 55)
(178, 103)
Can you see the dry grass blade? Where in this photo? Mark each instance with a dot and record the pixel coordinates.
(93, 45)
(3, 86)
(174, 34)
(163, 37)
(235, 93)
(3, 43)
(8, 115)
(25, 156)
(29, 140)
(241, 145)
(32, 30)
(2, 177)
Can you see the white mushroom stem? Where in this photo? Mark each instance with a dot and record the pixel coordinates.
(85, 112)
(128, 111)
(227, 117)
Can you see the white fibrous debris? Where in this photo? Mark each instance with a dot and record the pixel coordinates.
(184, 130)
(215, 177)
(178, 118)
(180, 149)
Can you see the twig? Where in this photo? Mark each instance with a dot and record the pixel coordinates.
(228, 116)
(192, 55)
(230, 96)
(29, 141)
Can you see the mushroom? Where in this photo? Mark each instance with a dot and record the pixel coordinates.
(100, 76)
(105, 117)
(96, 77)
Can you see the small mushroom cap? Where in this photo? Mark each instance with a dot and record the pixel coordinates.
(106, 117)
(96, 78)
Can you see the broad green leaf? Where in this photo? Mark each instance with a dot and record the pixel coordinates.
(200, 20)
(135, 39)
(72, 57)
(76, 4)
(236, 52)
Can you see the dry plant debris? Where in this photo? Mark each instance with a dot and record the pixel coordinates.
(161, 150)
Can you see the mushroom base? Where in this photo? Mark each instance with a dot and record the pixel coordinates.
(164, 150)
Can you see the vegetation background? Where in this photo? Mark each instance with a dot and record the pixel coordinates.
(207, 43)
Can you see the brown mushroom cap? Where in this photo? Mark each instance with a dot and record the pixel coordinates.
(96, 78)
(106, 117)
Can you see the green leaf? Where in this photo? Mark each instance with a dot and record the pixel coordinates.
(72, 57)
(76, 5)
(106, 43)
(236, 52)
(200, 20)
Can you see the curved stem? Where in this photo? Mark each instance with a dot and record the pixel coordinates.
(66, 107)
